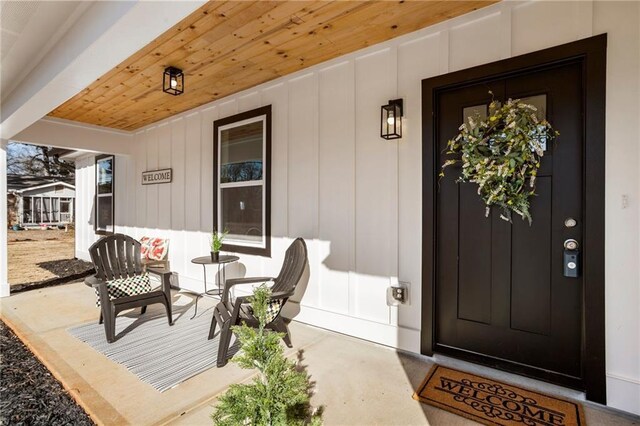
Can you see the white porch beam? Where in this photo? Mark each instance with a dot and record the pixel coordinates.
(4, 261)
(104, 36)
(77, 136)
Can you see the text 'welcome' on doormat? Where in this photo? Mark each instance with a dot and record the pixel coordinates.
(494, 403)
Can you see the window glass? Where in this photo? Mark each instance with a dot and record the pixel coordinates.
(540, 102)
(105, 175)
(46, 209)
(241, 151)
(37, 210)
(105, 210)
(27, 215)
(55, 209)
(104, 195)
(475, 112)
(242, 213)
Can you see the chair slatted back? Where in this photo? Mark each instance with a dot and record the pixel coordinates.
(295, 260)
(116, 256)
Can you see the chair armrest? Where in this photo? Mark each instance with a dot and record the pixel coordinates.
(274, 296)
(158, 269)
(165, 278)
(242, 299)
(158, 265)
(234, 281)
(93, 281)
(281, 295)
(101, 287)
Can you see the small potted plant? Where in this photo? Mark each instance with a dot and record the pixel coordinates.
(217, 238)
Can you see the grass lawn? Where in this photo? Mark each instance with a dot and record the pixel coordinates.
(31, 251)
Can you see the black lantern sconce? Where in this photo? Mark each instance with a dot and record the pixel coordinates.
(173, 81)
(391, 120)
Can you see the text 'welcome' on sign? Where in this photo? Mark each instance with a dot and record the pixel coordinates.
(153, 177)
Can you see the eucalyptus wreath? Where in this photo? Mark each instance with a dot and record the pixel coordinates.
(502, 155)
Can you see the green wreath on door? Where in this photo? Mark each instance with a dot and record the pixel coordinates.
(502, 154)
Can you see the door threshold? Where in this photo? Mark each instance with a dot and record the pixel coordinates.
(507, 377)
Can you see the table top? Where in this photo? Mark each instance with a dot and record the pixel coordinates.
(206, 260)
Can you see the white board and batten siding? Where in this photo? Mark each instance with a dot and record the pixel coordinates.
(356, 198)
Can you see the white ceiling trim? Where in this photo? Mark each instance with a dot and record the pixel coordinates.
(67, 134)
(85, 126)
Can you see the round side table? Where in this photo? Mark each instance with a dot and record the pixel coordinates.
(220, 279)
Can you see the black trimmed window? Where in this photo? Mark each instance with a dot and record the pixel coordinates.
(242, 181)
(105, 202)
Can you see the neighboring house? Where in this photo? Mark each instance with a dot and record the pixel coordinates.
(37, 200)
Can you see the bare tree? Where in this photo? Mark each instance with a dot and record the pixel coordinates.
(37, 161)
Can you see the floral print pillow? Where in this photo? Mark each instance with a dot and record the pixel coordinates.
(154, 248)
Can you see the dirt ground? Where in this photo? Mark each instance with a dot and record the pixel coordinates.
(29, 252)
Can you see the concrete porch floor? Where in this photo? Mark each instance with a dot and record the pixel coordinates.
(357, 382)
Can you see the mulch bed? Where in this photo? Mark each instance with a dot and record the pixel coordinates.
(29, 394)
(67, 270)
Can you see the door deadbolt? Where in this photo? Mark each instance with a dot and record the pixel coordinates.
(571, 244)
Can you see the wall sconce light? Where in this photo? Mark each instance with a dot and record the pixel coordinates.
(391, 120)
(173, 81)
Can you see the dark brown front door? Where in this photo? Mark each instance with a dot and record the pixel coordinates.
(500, 286)
(500, 295)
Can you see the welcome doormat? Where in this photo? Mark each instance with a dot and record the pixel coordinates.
(494, 403)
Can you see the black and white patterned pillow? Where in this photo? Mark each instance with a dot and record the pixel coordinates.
(123, 287)
(273, 309)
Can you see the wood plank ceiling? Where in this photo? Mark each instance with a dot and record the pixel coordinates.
(228, 46)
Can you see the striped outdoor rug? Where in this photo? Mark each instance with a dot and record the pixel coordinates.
(158, 354)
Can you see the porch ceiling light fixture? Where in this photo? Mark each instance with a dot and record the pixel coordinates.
(391, 120)
(173, 81)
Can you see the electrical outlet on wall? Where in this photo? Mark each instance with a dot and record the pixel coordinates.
(398, 294)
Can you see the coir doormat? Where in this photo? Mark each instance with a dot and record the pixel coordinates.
(494, 403)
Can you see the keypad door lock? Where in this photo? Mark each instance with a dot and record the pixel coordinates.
(571, 259)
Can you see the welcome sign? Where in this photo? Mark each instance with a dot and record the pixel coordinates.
(154, 177)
